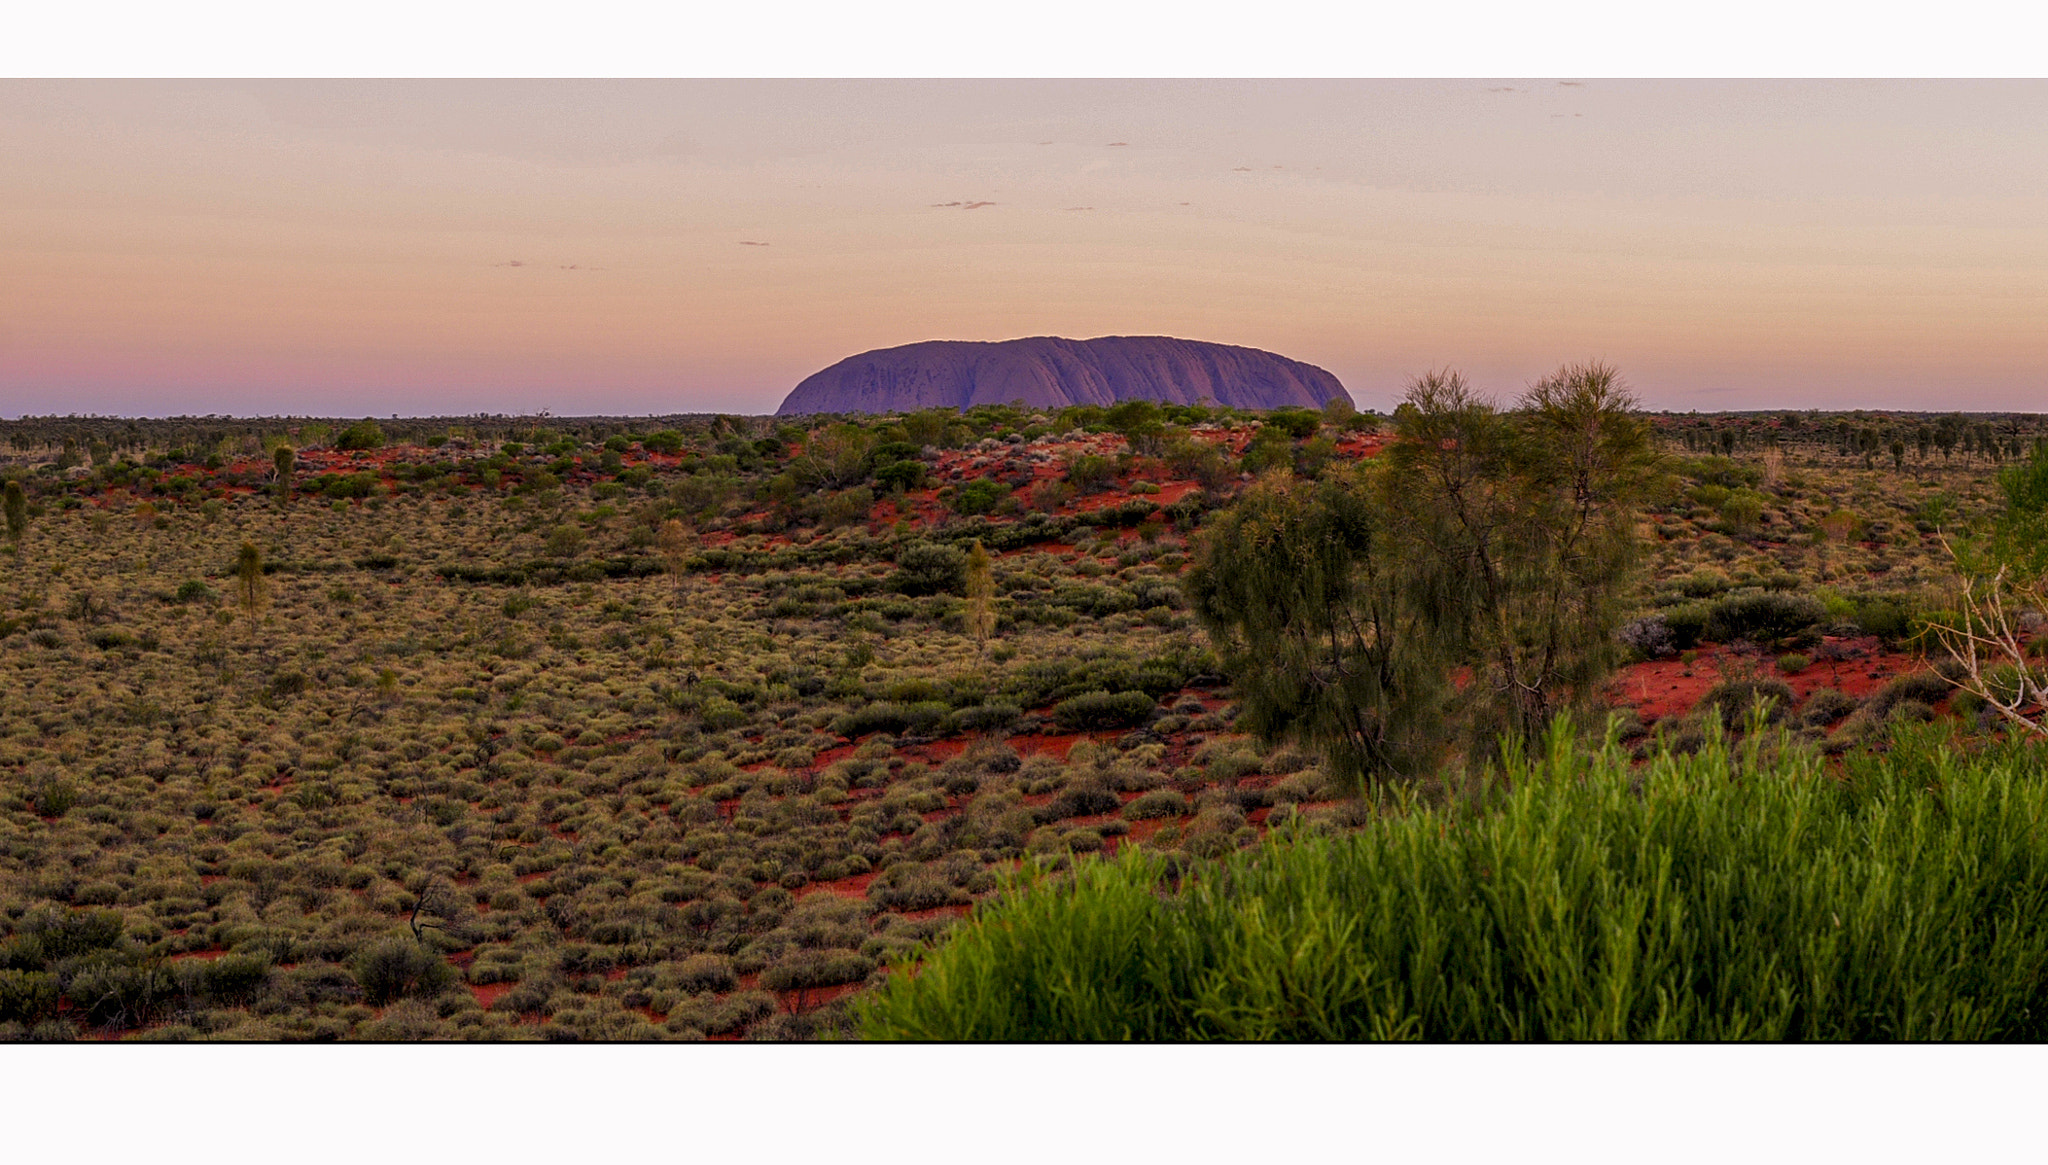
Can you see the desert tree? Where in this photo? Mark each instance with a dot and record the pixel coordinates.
(674, 543)
(981, 593)
(249, 579)
(282, 460)
(1307, 597)
(16, 505)
(1496, 544)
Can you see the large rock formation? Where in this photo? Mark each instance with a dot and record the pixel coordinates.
(1048, 372)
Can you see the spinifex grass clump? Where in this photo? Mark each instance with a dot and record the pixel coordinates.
(1716, 896)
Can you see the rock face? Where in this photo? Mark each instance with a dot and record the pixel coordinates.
(1048, 372)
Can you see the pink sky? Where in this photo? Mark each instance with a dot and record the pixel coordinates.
(586, 247)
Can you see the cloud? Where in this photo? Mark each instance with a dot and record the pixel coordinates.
(511, 263)
(1241, 170)
(1045, 143)
(1572, 84)
(964, 205)
(751, 243)
(1502, 89)
(1119, 143)
(1080, 208)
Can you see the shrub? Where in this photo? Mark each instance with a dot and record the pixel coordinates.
(1650, 637)
(979, 496)
(925, 568)
(1731, 699)
(1792, 663)
(364, 434)
(706, 972)
(896, 719)
(805, 969)
(901, 475)
(398, 967)
(985, 717)
(1762, 615)
(27, 997)
(1825, 706)
(1098, 710)
(1088, 471)
(1157, 803)
(1924, 686)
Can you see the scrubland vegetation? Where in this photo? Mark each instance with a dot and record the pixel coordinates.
(687, 728)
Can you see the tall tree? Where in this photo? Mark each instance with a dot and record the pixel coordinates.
(16, 505)
(674, 542)
(981, 593)
(1493, 544)
(249, 579)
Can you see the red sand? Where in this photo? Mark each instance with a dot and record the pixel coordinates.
(855, 886)
(1663, 687)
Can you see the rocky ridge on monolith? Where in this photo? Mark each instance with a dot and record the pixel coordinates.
(1049, 372)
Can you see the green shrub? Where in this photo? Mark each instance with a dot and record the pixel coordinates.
(194, 591)
(926, 568)
(706, 972)
(1825, 706)
(804, 969)
(1711, 897)
(979, 496)
(1763, 616)
(1098, 710)
(895, 719)
(397, 967)
(364, 434)
(1732, 699)
(1158, 803)
(27, 997)
(984, 718)
(1089, 471)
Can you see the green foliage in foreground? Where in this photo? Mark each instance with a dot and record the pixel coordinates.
(1716, 896)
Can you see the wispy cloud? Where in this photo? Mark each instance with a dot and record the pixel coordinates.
(964, 205)
(1572, 84)
(751, 243)
(1080, 208)
(1119, 143)
(511, 263)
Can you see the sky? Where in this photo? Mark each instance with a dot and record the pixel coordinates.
(451, 247)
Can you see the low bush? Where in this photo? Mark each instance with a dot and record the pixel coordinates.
(398, 967)
(923, 718)
(1763, 616)
(1098, 710)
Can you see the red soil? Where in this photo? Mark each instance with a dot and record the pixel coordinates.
(488, 993)
(811, 998)
(1667, 687)
(851, 887)
(205, 956)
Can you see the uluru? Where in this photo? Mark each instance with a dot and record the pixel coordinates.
(1050, 372)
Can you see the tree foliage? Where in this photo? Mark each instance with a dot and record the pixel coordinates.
(16, 506)
(1468, 582)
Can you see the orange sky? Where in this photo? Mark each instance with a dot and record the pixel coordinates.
(455, 247)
